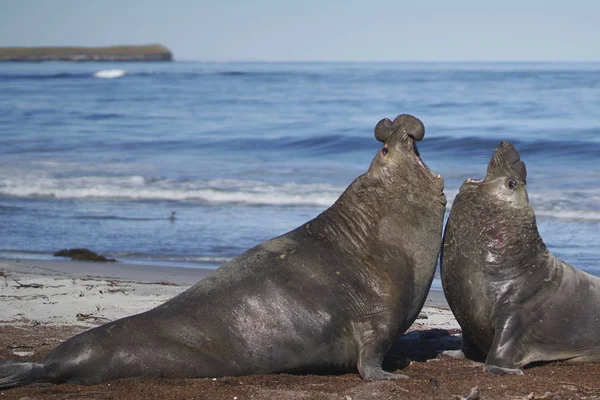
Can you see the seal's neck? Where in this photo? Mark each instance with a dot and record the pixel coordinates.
(354, 216)
(391, 218)
(512, 246)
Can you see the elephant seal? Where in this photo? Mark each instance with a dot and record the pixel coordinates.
(516, 302)
(333, 293)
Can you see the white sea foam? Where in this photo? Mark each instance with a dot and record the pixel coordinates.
(574, 215)
(110, 73)
(162, 260)
(575, 205)
(139, 188)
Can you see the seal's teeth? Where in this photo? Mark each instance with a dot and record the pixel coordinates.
(469, 179)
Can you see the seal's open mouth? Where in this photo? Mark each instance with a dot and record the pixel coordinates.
(405, 132)
(505, 162)
(421, 162)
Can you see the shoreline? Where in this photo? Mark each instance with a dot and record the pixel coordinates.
(107, 270)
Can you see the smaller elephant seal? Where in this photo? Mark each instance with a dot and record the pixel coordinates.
(516, 302)
(332, 294)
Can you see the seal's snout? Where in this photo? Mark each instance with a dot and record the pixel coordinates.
(507, 151)
(411, 126)
(507, 161)
(383, 130)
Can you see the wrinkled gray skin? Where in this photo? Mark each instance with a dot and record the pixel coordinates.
(333, 294)
(516, 302)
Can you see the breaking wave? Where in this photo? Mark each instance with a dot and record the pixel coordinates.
(565, 205)
(110, 73)
(139, 188)
(573, 205)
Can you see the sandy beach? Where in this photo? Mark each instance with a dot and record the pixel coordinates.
(56, 292)
(60, 292)
(46, 302)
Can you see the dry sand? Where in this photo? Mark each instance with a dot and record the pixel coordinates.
(45, 302)
(62, 292)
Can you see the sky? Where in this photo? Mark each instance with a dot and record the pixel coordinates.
(316, 30)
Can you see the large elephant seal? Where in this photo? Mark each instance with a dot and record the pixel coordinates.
(516, 302)
(333, 293)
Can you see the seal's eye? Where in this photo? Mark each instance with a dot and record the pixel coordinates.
(512, 184)
(384, 151)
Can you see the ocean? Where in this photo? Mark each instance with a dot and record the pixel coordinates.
(100, 155)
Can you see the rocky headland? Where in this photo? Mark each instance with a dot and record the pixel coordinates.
(152, 52)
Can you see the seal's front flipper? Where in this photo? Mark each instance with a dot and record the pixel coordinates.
(506, 354)
(496, 370)
(371, 351)
(370, 369)
(378, 374)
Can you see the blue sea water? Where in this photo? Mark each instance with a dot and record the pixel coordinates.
(99, 155)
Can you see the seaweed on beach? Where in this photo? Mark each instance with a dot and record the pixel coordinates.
(82, 255)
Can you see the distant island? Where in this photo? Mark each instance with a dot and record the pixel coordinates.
(151, 52)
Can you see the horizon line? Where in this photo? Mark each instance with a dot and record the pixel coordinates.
(175, 59)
